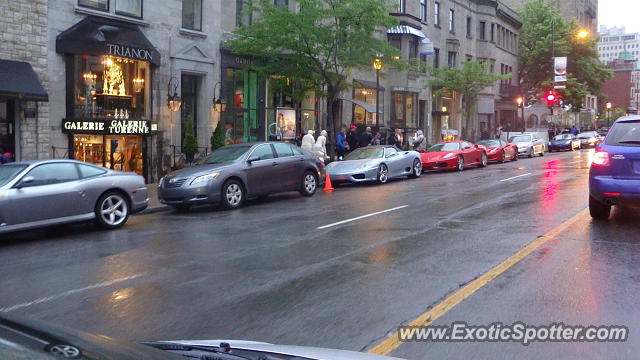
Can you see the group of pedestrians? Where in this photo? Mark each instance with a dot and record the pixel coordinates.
(349, 141)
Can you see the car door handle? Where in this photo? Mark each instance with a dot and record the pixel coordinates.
(301, 160)
(82, 193)
(275, 163)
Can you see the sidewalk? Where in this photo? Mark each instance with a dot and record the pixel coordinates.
(154, 204)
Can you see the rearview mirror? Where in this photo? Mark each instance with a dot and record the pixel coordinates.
(252, 159)
(25, 181)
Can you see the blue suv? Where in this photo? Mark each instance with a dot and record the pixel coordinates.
(614, 178)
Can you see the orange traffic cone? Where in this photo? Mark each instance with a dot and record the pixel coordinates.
(327, 183)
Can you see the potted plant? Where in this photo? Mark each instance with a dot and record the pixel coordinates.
(217, 138)
(189, 143)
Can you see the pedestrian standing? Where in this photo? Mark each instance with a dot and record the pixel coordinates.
(366, 137)
(397, 138)
(352, 139)
(308, 141)
(574, 130)
(341, 143)
(419, 141)
(4, 158)
(320, 147)
(377, 139)
(498, 131)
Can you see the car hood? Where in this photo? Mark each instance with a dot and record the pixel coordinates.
(437, 155)
(198, 170)
(351, 165)
(524, 144)
(564, 141)
(292, 350)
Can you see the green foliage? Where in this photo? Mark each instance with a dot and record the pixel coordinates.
(189, 143)
(319, 45)
(217, 138)
(467, 80)
(540, 22)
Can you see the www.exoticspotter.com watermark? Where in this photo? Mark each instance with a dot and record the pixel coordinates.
(516, 332)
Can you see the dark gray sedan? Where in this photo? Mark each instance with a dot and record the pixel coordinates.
(50, 192)
(232, 174)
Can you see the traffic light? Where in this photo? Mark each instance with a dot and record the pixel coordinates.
(551, 98)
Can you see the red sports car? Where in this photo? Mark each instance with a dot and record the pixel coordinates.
(450, 155)
(500, 150)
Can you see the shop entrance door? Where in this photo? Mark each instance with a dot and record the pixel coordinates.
(7, 127)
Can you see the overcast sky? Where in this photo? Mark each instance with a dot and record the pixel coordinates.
(620, 13)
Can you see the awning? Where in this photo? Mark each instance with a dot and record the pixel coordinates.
(18, 80)
(100, 36)
(370, 108)
(406, 30)
(367, 84)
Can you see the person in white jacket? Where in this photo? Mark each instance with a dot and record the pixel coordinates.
(308, 141)
(320, 148)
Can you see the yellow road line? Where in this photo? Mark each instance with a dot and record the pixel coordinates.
(392, 342)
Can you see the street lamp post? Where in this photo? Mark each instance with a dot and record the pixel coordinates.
(608, 115)
(377, 65)
(520, 102)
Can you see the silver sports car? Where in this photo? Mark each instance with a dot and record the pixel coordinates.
(375, 163)
(50, 192)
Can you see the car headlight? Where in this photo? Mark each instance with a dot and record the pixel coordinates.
(592, 140)
(161, 181)
(448, 156)
(205, 178)
(493, 151)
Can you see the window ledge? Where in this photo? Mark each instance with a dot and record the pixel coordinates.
(195, 33)
(104, 14)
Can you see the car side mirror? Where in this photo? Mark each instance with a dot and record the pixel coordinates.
(252, 159)
(467, 147)
(25, 181)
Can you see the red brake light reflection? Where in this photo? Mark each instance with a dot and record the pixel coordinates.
(601, 158)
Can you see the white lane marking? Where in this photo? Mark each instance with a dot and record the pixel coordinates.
(70, 292)
(361, 217)
(515, 177)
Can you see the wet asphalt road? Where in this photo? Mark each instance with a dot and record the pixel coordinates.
(266, 273)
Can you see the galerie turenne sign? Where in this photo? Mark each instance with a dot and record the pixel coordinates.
(129, 52)
(106, 127)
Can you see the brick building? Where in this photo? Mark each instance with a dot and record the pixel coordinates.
(622, 89)
(24, 116)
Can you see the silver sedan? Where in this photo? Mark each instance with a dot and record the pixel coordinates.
(375, 163)
(49, 192)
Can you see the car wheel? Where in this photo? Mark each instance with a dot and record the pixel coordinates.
(232, 194)
(550, 150)
(383, 174)
(484, 160)
(516, 155)
(531, 153)
(542, 152)
(416, 171)
(503, 157)
(598, 210)
(181, 208)
(112, 210)
(460, 166)
(309, 184)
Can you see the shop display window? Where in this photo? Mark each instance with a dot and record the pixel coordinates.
(111, 87)
(118, 152)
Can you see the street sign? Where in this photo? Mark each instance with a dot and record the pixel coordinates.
(557, 87)
(560, 69)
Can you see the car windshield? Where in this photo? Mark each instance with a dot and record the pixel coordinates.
(586, 135)
(225, 154)
(489, 143)
(624, 134)
(8, 172)
(365, 153)
(444, 147)
(562, 137)
(520, 139)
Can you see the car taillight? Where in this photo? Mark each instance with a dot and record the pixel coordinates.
(601, 158)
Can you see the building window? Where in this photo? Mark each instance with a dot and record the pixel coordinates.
(243, 17)
(452, 59)
(493, 32)
(95, 4)
(404, 110)
(413, 47)
(281, 3)
(192, 14)
(452, 20)
(189, 92)
(468, 26)
(395, 41)
(129, 8)
(366, 94)
(423, 10)
(436, 58)
(402, 6)
(436, 13)
(483, 30)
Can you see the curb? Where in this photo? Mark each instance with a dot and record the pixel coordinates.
(154, 209)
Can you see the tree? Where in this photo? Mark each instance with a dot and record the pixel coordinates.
(546, 33)
(468, 80)
(189, 143)
(318, 45)
(217, 138)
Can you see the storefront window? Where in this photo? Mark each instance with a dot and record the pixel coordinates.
(111, 87)
(368, 95)
(241, 117)
(286, 115)
(118, 152)
(404, 110)
(129, 8)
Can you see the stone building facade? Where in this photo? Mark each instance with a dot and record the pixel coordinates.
(24, 115)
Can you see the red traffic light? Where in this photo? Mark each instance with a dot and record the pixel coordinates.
(551, 98)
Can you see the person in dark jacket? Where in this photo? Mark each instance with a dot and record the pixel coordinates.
(377, 139)
(341, 144)
(352, 139)
(366, 137)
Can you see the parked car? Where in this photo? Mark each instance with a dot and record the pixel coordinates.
(500, 150)
(454, 155)
(49, 192)
(24, 338)
(564, 142)
(589, 139)
(529, 144)
(375, 163)
(234, 173)
(614, 178)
